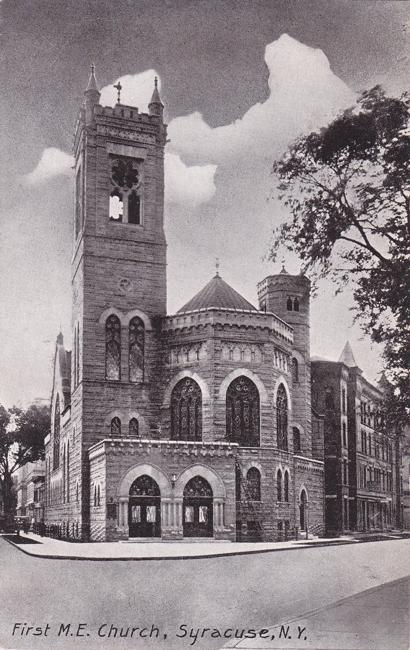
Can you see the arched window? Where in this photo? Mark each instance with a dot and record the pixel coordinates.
(98, 495)
(134, 208)
(136, 349)
(56, 444)
(95, 495)
(295, 370)
(253, 479)
(64, 474)
(113, 348)
(279, 485)
(68, 472)
(242, 412)
(296, 304)
(116, 427)
(329, 398)
(296, 440)
(134, 428)
(286, 487)
(144, 486)
(289, 304)
(282, 418)
(186, 411)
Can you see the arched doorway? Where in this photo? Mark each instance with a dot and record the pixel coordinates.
(198, 508)
(144, 508)
(303, 508)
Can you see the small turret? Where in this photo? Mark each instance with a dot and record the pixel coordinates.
(92, 96)
(156, 107)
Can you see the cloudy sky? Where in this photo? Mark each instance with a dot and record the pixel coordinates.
(240, 80)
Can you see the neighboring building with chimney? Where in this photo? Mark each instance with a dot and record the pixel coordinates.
(196, 424)
(362, 460)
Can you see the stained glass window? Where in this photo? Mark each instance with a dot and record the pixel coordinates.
(189, 514)
(253, 479)
(136, 349)
(279, 485)
(282, 418)
(186, 411)
(113, 348)
(151, 514)
(135, 514)
(203, 515)
(296, 440)
(144, 486)
(295, 370)
(116, 427)
(56, 445)
(134, 428)
(242, 412)
(286, 487)
(197, 487)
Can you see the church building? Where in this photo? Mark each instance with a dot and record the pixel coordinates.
(191, 425)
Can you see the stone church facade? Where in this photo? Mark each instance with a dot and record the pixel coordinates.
(197, 424)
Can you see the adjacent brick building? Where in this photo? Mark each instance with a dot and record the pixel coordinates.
(362, 459)
(196, 424)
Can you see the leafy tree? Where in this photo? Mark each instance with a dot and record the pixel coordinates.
(347, 188)
(22, 434)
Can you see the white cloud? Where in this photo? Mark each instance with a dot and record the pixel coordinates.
(190, 186)
(304, 94)
(136, 90)
(53, 162)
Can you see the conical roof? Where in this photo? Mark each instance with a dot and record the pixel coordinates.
(217, 294)
(347, 356)
(156, 99)
(92, 82)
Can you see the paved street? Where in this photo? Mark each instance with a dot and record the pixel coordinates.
(256, 591)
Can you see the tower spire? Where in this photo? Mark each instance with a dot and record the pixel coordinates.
(92, 96)
(156, 106)
(92, 82)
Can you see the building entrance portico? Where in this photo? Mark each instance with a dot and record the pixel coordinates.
(151, 504)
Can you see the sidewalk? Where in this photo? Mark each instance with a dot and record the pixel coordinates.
(46, 547)
(374, 619)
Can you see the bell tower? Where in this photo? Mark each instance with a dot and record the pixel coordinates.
(118, 268)
(288, 297)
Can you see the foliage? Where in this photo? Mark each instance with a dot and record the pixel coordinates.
(22, 434)
(347, 188)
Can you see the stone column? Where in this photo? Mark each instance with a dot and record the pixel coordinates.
(123, 515)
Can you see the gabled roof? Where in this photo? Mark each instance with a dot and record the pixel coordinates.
(217, 294)
(347, 356)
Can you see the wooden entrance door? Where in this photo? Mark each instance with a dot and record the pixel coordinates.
(144, 508)
(198, 508)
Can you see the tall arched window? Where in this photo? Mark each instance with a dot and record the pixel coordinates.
(186, 411)
(289, 304)
(136, 349)
(296, 440)
(134, 428)
(295, 370)
(242, 412)
(113, 348)
(116, 427)
(296, 304)
(68, 472)
(282, 418)
(286, 487)
(56, 444)
(329, 398)
(253, 479)
(279, 485)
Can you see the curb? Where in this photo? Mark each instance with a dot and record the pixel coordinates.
(205, 556)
